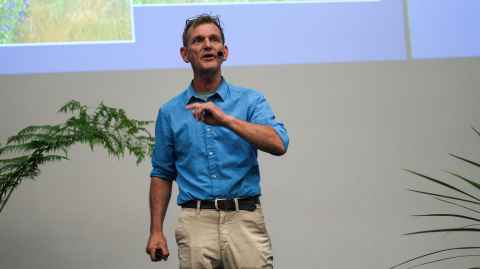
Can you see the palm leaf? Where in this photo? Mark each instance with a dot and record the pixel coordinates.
(447, 215)
(465, 160)
(445, 230)
(475, 130)
(444, 196)
(452, 200)
(432, 253)
(471, 182)
(458, 205)
(443, 259)
(442, 183)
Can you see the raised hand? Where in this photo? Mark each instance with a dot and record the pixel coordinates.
(209, 113)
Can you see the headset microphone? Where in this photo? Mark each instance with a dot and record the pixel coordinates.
(220, 54)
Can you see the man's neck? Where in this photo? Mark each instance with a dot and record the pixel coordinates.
(206, 83)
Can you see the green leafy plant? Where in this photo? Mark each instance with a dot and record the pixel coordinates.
(12, 13)
(462, 200)
(107, 127)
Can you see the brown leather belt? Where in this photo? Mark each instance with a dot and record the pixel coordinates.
(249, 204)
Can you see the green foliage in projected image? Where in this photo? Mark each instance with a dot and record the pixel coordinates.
(63, 21)
(103, 126)
(12, 12)
(159, 2)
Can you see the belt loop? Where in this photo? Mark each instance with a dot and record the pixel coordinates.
(237, 207)
(199, 204)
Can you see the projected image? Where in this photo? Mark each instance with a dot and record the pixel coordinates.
(64, 21)
(340, 31)
(444, 29)
(160, 2)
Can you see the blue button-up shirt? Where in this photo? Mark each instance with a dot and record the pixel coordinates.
(208, 161)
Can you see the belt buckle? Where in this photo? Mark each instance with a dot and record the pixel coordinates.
(216, 202)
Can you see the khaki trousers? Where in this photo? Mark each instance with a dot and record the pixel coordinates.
(211, 239)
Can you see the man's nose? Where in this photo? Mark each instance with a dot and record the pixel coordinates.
(207, 43)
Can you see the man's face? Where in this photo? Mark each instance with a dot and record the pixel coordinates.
(204, 44)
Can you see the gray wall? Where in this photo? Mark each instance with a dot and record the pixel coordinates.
(336, 200)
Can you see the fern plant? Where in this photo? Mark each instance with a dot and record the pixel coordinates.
(24, 153)
(464, 200)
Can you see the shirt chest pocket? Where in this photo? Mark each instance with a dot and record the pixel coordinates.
(188, 139)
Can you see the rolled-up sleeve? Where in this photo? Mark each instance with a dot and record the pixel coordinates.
(263, 114)
(163, 157)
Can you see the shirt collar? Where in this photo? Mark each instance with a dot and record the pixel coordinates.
(222, 92)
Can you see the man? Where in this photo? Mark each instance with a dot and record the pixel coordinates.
(207, 139)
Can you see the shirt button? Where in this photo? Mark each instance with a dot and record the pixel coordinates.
(208, 129)
(214, 176)
(210, 153)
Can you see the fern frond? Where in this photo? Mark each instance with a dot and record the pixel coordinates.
(107, 127)
(14, 160)
(10, 167)
(35, 129)
(51, 158)
(24, 138)
(18, 148)
(72, 106)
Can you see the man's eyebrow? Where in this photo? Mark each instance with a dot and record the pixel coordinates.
(202, 36)
(197, 37)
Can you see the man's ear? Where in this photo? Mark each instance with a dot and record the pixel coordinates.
(184, 54)
(225, 52)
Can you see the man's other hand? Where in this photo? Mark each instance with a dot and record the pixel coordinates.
(209, 113)
(157, 241)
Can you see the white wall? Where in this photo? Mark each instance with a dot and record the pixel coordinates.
(336, 200)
